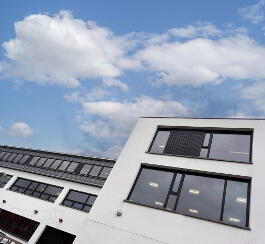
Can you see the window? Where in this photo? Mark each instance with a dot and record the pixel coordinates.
(17, 225)
(223, 199)
(52, 235)
(36, 189)
(214, 144)
(79, 200)
(4, 178)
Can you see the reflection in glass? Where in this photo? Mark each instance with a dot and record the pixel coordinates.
(160, 142)
(149, 194)
(176, 183)
(235, 203)
(233, 147)
(201, 196)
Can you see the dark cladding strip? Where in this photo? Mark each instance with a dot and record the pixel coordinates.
(81, 169)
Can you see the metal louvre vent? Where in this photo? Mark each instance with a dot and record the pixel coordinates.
(185, 142)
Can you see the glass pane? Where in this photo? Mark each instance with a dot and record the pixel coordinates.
(201, 196)
(204, 153)
(23, 183)
(17, 158)
(91, 200)
(40, 162)
(152, 187)
(105, 172)
(6, 156)
(53, 190)
(2, 154)
(72, 167)
(41, 187)
(34, 160)
(56, 164)
(87, 208)
(235, 203)
(160, 142)
(78, 206)
(206, 140)
(64, 165)
(85, 169)
(230, 147)
(48, 163)
(28, 192)
(176, 183)
(95, 171)
(171, 202)
(17, 225)
(24, 159)
(67, 203)
(12, 157)
(77, 196)
(33, 186)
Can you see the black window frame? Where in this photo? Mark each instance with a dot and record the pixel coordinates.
(50, 196)
(211, 130)
(84, 204)
(184, 171)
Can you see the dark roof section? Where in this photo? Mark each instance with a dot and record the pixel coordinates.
(81, 169)
(227, 118)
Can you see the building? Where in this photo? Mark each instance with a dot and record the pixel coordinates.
(176, 180)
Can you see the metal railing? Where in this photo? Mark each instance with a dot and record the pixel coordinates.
(4, 239)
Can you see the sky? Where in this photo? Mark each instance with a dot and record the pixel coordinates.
(76, 75)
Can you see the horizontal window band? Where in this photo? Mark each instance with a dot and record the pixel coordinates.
(197, 172)
(176, 212)
(212, 159)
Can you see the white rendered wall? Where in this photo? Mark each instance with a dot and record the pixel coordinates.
(139, 224)
(49, 213)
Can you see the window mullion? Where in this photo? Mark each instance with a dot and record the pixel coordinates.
(223, 202)
(210, 144)
(179, 191)
(170, 189)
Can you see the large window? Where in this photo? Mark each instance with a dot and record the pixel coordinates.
(79, 200)
(215, 144)
(52, 235)
(212, 197)
(17, 225)
(36, 189)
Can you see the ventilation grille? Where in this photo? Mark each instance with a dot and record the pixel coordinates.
(185, 142)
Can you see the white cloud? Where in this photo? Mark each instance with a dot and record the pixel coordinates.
(116, 83)
(116, 119)
(1, 128)
(197, 30)
(20, 129)
(91, 95)
(202, 60)
(63, 50)
(255, 13)
(256, 94)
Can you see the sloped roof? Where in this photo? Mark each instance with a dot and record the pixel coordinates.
(76, 168)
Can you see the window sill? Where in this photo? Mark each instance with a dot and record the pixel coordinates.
(170, 211)
(212, 159)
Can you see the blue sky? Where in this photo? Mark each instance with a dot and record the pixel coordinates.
(76, 75)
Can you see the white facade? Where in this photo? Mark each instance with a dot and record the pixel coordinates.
(141, 224)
